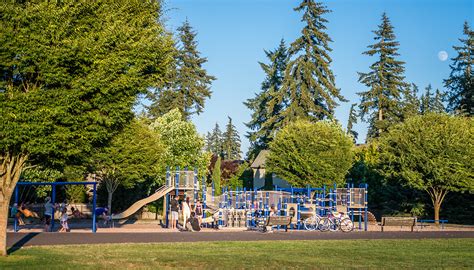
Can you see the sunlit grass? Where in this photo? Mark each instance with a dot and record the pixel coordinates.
(392, 254)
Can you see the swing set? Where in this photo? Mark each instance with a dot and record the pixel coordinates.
(54, 185)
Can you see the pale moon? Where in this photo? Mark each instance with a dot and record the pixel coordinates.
(443, 56)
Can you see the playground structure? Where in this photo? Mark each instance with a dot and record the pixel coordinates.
(245, 208)
(29, 213)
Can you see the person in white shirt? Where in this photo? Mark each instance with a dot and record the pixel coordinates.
(64, 217)
(48, 213)
(186, 208)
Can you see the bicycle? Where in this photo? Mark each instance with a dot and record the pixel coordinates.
(312, 223)
(334, 223)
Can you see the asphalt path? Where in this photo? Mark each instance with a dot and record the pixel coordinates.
(18, 240)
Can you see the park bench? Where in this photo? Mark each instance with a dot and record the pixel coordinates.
(276, 221)
(398, 221)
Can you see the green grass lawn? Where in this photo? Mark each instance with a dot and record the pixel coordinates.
(394, 254)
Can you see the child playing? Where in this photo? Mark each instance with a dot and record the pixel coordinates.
(64, 217)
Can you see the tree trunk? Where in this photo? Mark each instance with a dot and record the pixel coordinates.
(109, 202)
(3, 225)
(437, 196)
(10, 170)
(380, 120)
(437, 207)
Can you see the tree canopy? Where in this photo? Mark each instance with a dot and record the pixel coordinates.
(309, 90)
(385, 81)
(135, 155)
(432, 152)
(189, 84)
(266, 105)
(311, 153)
(183, 145)
(231, 141)
(461, 80)
(70, 75)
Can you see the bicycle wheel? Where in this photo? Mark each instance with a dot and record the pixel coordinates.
(346, 225)
(324, 224)
(310, 224)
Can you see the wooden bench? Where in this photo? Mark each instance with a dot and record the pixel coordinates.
(398, 221)
(276, 221)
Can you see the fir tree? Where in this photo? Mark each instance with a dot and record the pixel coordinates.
(264, 105)
(432, 103)
(215, 141)
(385, 81)
(231, 142)
(461, 80)
(352, 120)
(189, 83)
(438, 105)
(426, 100)
(411, 103)
(309, 90)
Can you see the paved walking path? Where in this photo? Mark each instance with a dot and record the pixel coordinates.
(20, 239)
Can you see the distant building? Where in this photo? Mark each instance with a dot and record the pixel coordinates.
(259, 174)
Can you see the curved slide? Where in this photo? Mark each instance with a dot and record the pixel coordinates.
(139, 204)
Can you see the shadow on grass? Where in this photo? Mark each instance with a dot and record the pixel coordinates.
(21, 242)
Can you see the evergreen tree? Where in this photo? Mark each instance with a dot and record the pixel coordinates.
(426, 100)
(432, 103)
(264, 105)
(208, 142)
(461, 80)
(215, 141)
(411, 103)
(352, 120)
(385, 81)
(231, 142)
(309, 90)
(438, 105)
(189, 84)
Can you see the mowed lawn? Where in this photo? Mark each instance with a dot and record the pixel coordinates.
(328, 254)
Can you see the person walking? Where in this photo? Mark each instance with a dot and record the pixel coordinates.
(174, 211)
(186, 208)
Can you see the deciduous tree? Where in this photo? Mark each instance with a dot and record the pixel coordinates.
(70, 75)
(432, 152)
(305, 153)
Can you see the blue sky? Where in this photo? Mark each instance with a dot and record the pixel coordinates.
(234, 34)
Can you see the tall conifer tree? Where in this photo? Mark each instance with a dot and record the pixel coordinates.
(427, 100)
(265, 105)
(385, 81)
(411, 103)
(189, 83)
(352, 120)
(461, 80)
(309, 89)
(215, 141)
(231, 142)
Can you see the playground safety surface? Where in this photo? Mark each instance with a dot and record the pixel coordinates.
(21, 239)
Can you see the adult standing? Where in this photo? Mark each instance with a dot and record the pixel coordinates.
(174, 211)
(48, 213)
(186, 210)
(198, 211)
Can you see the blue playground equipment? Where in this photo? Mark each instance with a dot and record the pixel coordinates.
(53, 198)
(245, 208)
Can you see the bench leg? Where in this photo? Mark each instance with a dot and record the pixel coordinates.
(286, 228)
(381, 228)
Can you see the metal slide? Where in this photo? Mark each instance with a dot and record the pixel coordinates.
(162, 191)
